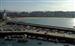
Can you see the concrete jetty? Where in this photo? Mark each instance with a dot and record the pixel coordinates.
(44, 32)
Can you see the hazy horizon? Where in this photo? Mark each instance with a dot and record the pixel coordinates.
(38, 5)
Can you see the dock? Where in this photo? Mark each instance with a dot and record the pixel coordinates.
(37, 31)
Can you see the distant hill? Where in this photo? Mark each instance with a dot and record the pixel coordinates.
(42, 14)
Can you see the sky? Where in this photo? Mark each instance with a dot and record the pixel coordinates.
(38, 5)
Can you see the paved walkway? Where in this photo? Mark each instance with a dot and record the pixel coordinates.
(43, 32)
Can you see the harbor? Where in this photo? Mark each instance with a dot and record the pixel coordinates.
(37, 22)
(22, 32)
(45, 33)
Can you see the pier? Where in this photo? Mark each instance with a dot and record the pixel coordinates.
(35, 31)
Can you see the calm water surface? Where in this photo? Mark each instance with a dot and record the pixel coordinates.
(62, 22)
(30, 43)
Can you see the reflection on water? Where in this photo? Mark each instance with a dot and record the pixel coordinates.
(62, 22)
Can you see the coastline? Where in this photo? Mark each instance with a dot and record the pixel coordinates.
(42, 17)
